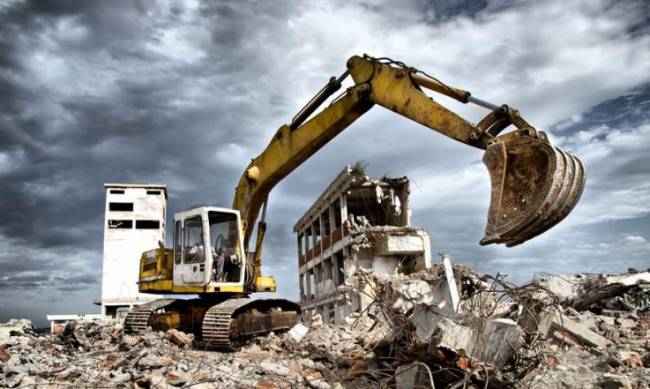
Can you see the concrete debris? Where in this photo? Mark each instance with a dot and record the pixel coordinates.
(298, 332)
(14, 326)
(179, 338)
(581, 333)
(500, 336)
(414, 375)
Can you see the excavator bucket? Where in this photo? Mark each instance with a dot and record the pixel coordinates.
(534, 187)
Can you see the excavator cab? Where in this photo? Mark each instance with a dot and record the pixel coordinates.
(208, 249)
(207, 255)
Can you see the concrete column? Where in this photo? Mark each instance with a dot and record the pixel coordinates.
(344, 207)
(406, 212)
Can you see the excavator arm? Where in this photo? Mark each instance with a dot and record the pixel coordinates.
(534, 185)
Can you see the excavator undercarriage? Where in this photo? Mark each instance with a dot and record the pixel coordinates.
(218, 325)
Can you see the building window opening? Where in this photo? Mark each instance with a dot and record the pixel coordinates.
(153, 192)
(326, 223)
(337, 213)
(327, 269)
(308, 242)
(318, 271)
(116, 191)
(120, 224)
(147, 224)
(122, 207)
(316, 229)
(311, 288)
(339, 276)
(301, 248)
(302, 287)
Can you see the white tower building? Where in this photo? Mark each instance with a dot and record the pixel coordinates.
(134, 223)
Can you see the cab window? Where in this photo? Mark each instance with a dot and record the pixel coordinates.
(224, 238)
(193, 247)
(178, 242)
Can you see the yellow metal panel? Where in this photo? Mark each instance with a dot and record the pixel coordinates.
(232, 288)
(265, 284)
(162, 264)
(166, 321)
(158, 286)
(393, 88)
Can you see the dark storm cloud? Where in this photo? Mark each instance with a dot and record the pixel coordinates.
(125, 132)
(185, 93)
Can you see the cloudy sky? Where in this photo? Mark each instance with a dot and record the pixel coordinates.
(185, 93)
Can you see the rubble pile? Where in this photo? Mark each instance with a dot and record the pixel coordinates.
(450, 326)
(445, 327)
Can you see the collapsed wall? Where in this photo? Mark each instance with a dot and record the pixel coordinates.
(356, 222)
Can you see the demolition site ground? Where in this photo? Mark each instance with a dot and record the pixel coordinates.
(443, 327)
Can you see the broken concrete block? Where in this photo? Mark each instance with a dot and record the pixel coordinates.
(450, 335)
(425, 318)
(316, 321)
(298, 332)
(614, 381)
(150, 362)
(497, 342)
(494, 342)
(179, 338)
(452, 288)
(629, 279)
(274, 368)
(565, 287)
(413, 375)
(414, 292)
(177, 378)
(4, 354)
(387, 245)
(15, 325)
(557, 321)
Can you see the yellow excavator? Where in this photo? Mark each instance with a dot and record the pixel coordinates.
(534, 186)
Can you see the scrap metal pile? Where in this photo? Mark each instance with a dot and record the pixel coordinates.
(446, 327)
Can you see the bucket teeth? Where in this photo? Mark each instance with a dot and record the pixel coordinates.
(534, 186)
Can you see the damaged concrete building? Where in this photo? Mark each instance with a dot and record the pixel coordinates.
(134, 222)
(356, 222)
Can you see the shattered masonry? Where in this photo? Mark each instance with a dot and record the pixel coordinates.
(357, 221)
(404, 340)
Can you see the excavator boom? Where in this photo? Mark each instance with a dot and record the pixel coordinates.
(534, 185)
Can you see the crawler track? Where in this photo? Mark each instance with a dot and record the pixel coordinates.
(235, 319)
(217, 322)
(138, 319)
